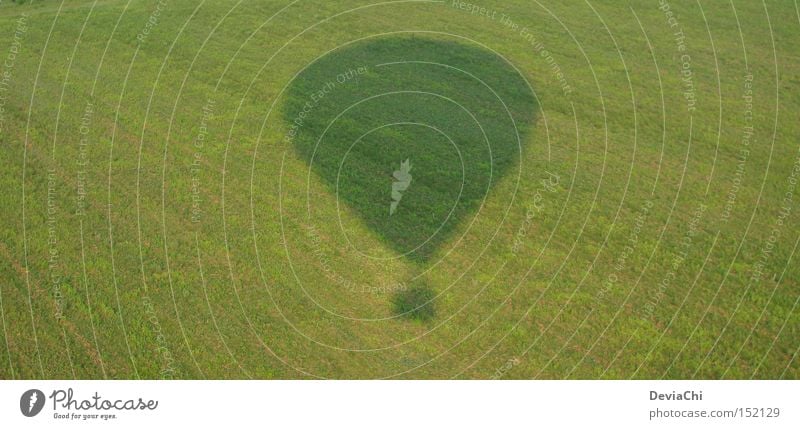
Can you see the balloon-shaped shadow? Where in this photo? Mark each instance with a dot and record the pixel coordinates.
(411, 133)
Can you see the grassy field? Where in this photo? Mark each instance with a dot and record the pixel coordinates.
(399, 189)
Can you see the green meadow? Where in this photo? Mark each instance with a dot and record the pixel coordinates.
(400, 189)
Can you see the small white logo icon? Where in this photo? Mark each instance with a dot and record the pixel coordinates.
(31, 402)
(401, 183)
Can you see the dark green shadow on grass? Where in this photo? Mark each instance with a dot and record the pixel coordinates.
(360, 112)
(415, 303)
(411, 133)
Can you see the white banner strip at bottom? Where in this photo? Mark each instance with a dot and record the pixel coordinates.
(400, 404)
